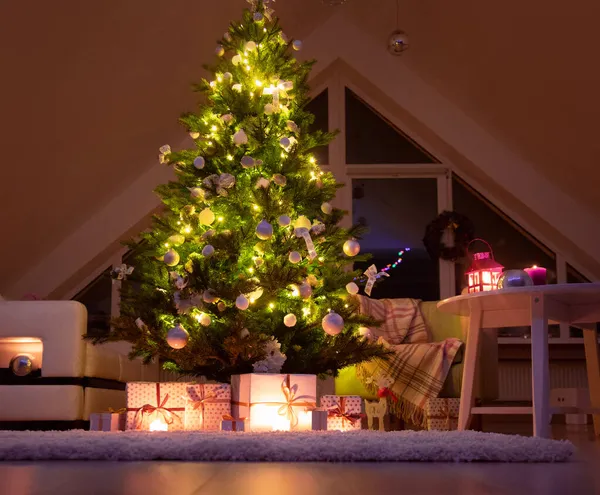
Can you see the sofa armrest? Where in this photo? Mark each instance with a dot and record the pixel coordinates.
(60, 325)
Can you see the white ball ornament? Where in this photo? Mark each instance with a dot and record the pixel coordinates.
(219, 50)
(242, 303)
(305, 290)
(194, 134)
(178, 337)
(285, 142)
(208, 250)
(352, 288)
(264, 231)
(240, 138)
(269, 109)
(351, 248)
(289, 320)
(171, 257)
(284, 221)
(295, 257)
(206, 216)
(250, 46)
(209, 297)
(197, 193)
(302, 222)
(326, 208)
(365, 332)
(228, 76)
(199, 162)
(236, 60)
(297, 45)
(204, 320)
(227, 117)
(332, 324)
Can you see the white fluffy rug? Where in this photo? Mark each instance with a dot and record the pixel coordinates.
(282, 447)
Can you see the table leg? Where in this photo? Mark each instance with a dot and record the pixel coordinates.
(540, 371)
(467, 398)
(592, 360)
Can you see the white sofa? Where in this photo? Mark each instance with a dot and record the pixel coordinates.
(77, 377)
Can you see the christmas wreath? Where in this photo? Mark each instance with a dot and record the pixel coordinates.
(462, 229)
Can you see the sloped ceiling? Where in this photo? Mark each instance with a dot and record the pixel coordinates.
(92, 89)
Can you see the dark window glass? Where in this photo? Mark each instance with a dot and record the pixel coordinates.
(372, 139)
(574, 277)
(319, 107)
(396, 212)
(96, 297)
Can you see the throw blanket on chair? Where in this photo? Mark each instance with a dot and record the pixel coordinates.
(418, 368)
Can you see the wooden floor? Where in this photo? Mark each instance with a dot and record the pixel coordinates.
(581, 476)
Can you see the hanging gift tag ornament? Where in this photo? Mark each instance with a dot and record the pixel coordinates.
(332, 324)
(351, 248)
(264, 231)
(163, 152)
(177, 337)
(242, 303)
(171, 257)
(372, 275)
(303, 232)
(289, 320)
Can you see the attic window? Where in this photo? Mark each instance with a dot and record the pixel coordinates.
(319, 107)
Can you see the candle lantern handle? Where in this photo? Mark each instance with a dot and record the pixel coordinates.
(470, 254)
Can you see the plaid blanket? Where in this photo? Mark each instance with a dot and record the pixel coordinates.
(418, 368)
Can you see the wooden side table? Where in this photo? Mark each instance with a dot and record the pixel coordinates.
(577, 304)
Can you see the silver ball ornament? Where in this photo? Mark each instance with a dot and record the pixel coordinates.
(219, 50)
(351, 248)
(514, 278)
(295, 257)
(305, 290)
(352, 288)
(398, 43)
(178, 337)
(171, 257)
(365, 332)
(242, 302)
(257, 17)
(264, 230)
(21, 365)
(289, 320)
(332, 324)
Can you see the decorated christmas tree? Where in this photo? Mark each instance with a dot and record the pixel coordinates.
(247, 268)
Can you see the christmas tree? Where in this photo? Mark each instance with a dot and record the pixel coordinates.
(247, 268)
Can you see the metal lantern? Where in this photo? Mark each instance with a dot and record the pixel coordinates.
(484, 272)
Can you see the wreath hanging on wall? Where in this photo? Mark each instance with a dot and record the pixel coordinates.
(462, 229)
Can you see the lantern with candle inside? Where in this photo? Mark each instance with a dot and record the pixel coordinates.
(537, 274)
(274, 402)
(484, 272)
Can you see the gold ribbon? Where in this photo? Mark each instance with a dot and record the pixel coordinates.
(117, 411)
(291, 400)
(229, 417)
(147, 409)
(445, 413)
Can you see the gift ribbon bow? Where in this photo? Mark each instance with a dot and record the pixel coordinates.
(310, 246)
(167, 413)
(229, 417)
(203, 400)
(386, 392)
(372, 275)
(117, 411)
(339, 411)
(291, 400)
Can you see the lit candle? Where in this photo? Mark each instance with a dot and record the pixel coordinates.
(537, 274)
(158, 425)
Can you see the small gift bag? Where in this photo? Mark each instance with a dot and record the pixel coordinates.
(108, 421)
(229, 423)
(442, 414)
(155, 406)
(206, 404)
(344, 412)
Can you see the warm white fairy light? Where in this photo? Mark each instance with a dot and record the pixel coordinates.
(312, 159)
(258, 83)
(220, 219)
(255, 207)
(166, 244)
(187, 229)
(214, 128)
(229, 157)
(271, 305)
(306, 311)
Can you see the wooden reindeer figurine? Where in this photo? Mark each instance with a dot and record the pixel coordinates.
(376, 409)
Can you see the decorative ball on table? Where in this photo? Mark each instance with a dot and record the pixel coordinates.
(352, 288)
(178, 337)
(21, 365)
(295, 257)
(289, 320)
(264, 230)
(514, 278)
(208, 251)
(206, 216)
(351, 248)
(171, 257)
(332, 324)
(242, 303)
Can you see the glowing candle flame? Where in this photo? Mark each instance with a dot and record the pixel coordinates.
(159, 425)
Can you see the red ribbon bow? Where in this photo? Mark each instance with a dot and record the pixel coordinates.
(339, 411)
(147, 409)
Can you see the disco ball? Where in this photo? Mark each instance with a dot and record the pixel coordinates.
(21, 365)
(398, 42)
(514, 278)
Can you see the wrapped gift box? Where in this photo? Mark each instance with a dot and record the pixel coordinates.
(108, 421)
(442, 414)
(274, 401)
(206, 405)
(344, 412)
(156, 406)
(229, 423)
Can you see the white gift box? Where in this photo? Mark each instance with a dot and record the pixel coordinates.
(206, 405)
(107, 421)
(442, 414)
(274, 401)
(156, 406)
(344, 412)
